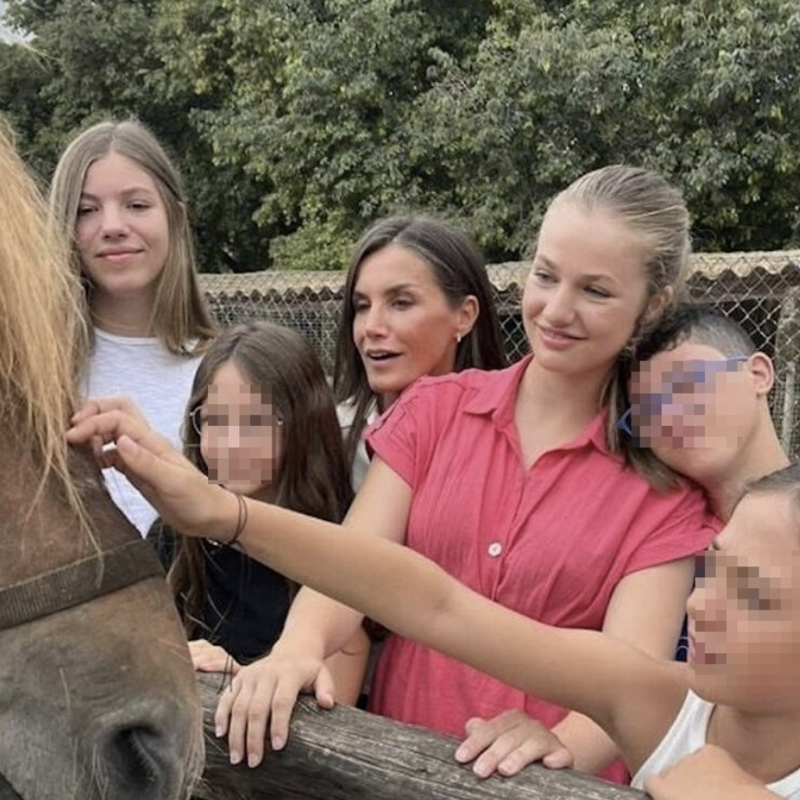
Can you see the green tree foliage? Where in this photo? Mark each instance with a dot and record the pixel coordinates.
(322, 112)
(297, 122)
(706, 93)
(86, 60)
(90, 60)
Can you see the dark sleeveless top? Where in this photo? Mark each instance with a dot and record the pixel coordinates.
(246, 602)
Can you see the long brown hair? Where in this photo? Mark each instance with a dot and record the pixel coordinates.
(457, 266)
(312, 475)
(179, 316)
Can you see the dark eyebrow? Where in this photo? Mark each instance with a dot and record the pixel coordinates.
(396, 289)
(751, 577)
(746, 572)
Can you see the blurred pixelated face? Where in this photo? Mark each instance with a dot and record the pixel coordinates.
(240, 435)
(695, 408)
(744, 613)
(122, 231)
(585, 292)
(403, 325)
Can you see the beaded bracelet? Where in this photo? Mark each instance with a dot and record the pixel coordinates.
(240, 522)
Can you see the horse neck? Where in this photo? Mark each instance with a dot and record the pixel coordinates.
(39, 530)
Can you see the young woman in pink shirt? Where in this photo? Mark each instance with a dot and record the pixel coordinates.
(517, 483)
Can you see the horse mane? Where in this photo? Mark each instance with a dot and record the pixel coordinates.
(42, 326)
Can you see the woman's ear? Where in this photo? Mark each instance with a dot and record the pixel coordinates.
(467, 315)
(762, 371)
(657, 305)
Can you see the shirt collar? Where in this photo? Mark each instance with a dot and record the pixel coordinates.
(497, 398)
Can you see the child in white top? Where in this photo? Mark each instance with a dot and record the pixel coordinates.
(120, 200)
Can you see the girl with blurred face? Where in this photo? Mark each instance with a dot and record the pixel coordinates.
(262, 423)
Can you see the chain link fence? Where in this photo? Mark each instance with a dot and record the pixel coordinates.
(761, 291)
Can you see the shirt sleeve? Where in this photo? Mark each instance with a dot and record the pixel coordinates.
(404, 436)
(677, 526)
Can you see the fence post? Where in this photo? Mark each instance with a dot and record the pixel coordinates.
(787, 350)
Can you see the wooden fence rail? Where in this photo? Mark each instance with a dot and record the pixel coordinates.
(7, 791)
(347, 754)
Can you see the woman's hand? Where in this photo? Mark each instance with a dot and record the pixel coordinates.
(508, 743)
(265, 692)
(207, 657)
(120, 437)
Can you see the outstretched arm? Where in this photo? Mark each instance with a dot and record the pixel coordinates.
(646, 611)
(390, 583)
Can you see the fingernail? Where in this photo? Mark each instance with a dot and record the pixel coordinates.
(218, 731)
(235, 757)
(277, 742)
(461, 754)
(252, 760)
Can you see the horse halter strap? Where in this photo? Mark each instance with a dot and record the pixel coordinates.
(77, 582)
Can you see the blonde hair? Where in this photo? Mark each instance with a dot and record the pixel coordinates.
(655, 212)
(179, 316)
(42, 328)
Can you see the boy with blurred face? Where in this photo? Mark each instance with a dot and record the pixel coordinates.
(699, 400)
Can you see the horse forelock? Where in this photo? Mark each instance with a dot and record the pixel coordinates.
(42, 327)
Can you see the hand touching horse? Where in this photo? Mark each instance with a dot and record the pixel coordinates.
(97, 693)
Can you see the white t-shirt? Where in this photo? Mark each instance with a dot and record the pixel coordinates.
(345, 411)
(687, 734)
(158, 382)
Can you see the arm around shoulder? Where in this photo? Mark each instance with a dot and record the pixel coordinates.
(707, 774)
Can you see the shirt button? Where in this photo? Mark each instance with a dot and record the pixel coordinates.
(494, 549)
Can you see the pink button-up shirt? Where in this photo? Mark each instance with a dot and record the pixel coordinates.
(551, 542)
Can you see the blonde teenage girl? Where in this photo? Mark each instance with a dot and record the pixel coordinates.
(120, 201)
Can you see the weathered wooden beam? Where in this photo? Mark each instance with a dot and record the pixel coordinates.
(347, 754)
(7, 790)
